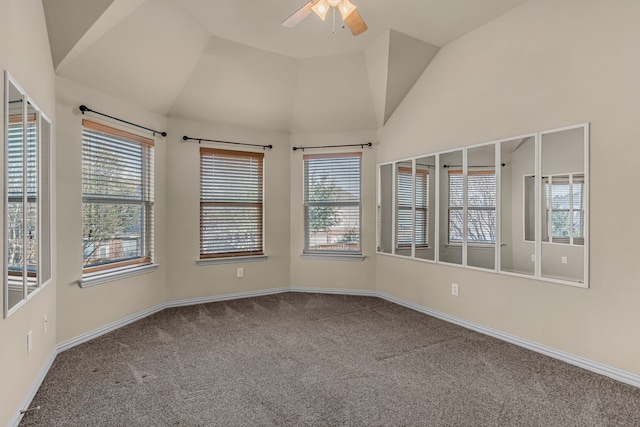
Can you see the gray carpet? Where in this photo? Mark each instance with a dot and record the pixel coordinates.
(298, 359)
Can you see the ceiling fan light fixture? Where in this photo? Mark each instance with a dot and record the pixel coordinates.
(321, 8)
(346, 8)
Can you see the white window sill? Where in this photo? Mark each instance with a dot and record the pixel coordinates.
(471, 245)
(101, 277)
(231, 260)
(334, 257)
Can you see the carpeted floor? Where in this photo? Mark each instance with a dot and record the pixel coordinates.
(297, 359)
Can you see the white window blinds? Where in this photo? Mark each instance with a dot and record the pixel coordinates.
(117, 198)
(405, 206)
(332, 203)
(231, 203)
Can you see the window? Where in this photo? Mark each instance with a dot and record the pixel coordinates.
(422, 207)
(564, 209)
(405, 206)
(231, 203)
(481, 207)
(117, 198)
(456, 201)
(332, 203)
(27, 204)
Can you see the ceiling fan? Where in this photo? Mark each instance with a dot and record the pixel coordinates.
(350, 15)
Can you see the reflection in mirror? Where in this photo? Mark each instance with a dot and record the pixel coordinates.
(425, 196)
(481, 207)
(404, 208)
(44, 270)
(27, 231)
(562, 207)
(31, 171)
(451, 227)
(517, 205)
(15, 196)
(385, 209)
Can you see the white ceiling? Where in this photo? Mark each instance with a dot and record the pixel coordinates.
(231, 61)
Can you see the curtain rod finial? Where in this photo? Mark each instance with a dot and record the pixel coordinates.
(184, 138)
(83, 108)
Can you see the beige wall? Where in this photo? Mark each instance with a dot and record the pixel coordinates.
(187, 280)
(334, 274)
(24, 52)
(83, 310)
(543, 65)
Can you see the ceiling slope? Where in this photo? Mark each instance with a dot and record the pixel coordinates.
(333, 95)
(408, 58)
(145, 59)
(231, 62)
(394, 63)
(64, 33)
(236, 84)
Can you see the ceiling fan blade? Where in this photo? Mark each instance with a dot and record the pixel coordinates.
(355, 23)
(299, 15)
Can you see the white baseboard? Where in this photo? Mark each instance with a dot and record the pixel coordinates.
(226, 297)
(80, 339)
(590, 365)
(37, 382)
(335, 291)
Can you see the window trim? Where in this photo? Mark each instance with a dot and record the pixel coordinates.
(114, 270)
(471, 243)
(333, 253)
(206, 258)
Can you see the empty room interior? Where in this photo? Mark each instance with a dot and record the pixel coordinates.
(320, 213)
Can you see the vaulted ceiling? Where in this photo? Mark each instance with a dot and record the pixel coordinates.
(230, 61)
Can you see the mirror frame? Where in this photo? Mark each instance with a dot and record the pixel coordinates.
(498, 167)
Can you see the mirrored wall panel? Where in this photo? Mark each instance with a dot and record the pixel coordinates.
(27, 197)
(481, 207)
(425, 196)
(385, 209)
(562, 204)
(451, 208)
(517, 205)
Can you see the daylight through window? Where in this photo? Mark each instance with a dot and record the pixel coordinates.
(231, 203)
(332, 203)
(117, 198)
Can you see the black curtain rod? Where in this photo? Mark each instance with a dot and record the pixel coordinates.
(459, 166)
(84, 108)
(264, 147)
(368, 144)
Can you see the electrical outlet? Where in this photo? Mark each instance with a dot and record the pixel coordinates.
(564, 259)
(454, 289)
(29, 341)
(240, 272)
(44, 324)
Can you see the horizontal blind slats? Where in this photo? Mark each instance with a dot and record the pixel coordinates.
(231, 196)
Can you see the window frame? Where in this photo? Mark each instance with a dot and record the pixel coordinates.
(465, 204)
(212, 257)
(413, 207)
(121, 266)
(337, 204)
(569, 179)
